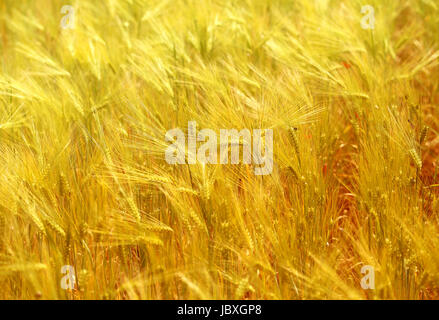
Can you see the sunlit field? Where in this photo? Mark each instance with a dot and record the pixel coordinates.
(91, 209)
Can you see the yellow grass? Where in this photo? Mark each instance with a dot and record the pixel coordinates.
(83, 176)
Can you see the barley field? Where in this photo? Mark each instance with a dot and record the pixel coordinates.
(91, 209)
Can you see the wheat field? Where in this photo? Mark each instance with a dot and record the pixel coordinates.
(84, 111)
